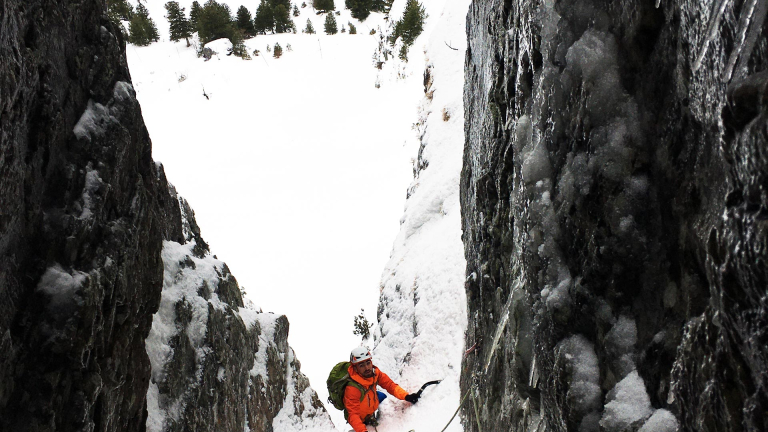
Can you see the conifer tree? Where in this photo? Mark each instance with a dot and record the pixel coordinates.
(278, 51)
(283, 21)
(409, 27)
(142, 28)
(310, 29)
(194, 14)
(179, 25)
(214, 22)
(244, 22)
(296, 11)
(330, 24)
(362, 326)
(381, 5)
(323, 5)
(360, 9)
(352, 28)
(238, 45)
(118, 11)
(264, 21)
(286, 4)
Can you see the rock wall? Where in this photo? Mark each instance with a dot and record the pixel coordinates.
(614, 210)
(86, 220)
(217, 363)
(80, 234)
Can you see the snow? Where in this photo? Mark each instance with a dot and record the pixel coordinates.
(584, 391)
(661, 421)
(422, 311)
(181, 281)
(92, 121)
(96, 116)
(61, 287)
(267, 335)
(309, 420)
(628, 404)
(620, 342)
(92, 185)
(155, 419)
(297, 168)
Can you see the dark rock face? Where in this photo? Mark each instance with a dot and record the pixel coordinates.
(86, 218)
(614, 209)
(80, 269)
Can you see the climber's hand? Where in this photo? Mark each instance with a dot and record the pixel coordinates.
(412, 398)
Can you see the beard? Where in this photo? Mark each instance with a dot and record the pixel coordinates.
(368, 373)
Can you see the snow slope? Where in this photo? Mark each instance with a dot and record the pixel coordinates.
(297, 168)
(422, 309)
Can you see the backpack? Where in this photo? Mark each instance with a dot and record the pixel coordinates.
(337, 381)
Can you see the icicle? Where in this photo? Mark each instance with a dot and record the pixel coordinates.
(658, 3)
(533, 377)
(499, 330)
(751, 25)
(738, 45)
(714, 25)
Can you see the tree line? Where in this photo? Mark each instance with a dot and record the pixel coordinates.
(213, 20)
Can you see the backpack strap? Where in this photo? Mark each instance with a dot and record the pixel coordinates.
(357, 385)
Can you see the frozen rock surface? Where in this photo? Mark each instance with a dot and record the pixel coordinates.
(614, 201)
(91, 234)
(217, 362)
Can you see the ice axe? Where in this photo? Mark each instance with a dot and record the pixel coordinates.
(414, 397)
(418, 393)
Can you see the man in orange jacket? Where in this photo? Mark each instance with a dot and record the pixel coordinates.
(361, 403)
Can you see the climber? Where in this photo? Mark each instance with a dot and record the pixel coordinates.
(361, 407)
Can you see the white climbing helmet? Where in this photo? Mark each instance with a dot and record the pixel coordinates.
(359, 354)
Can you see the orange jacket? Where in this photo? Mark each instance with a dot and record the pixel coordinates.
(357, 411)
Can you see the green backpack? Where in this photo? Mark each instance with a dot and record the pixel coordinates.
(337, 381)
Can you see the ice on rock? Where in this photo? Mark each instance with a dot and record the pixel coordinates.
(629, 404)
(536, 165)
(155, 417)
(661, 421)
(523, 131)
(620, 343)
(92, 122)
(93, 183)
(182, 283)
(623, 335)
(123, 91)
(268, 324)
(613, 154)
(575, 179)
(309, 418)
(558, 297)
(584, 394)
(714, 25)
(594, 58)
(61, 287)
(750, 27)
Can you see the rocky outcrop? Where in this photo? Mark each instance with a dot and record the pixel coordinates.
(218, 364)
(80, 268)
(614, 206)
(89, 231)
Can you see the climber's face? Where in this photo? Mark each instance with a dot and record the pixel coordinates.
(364, 369)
